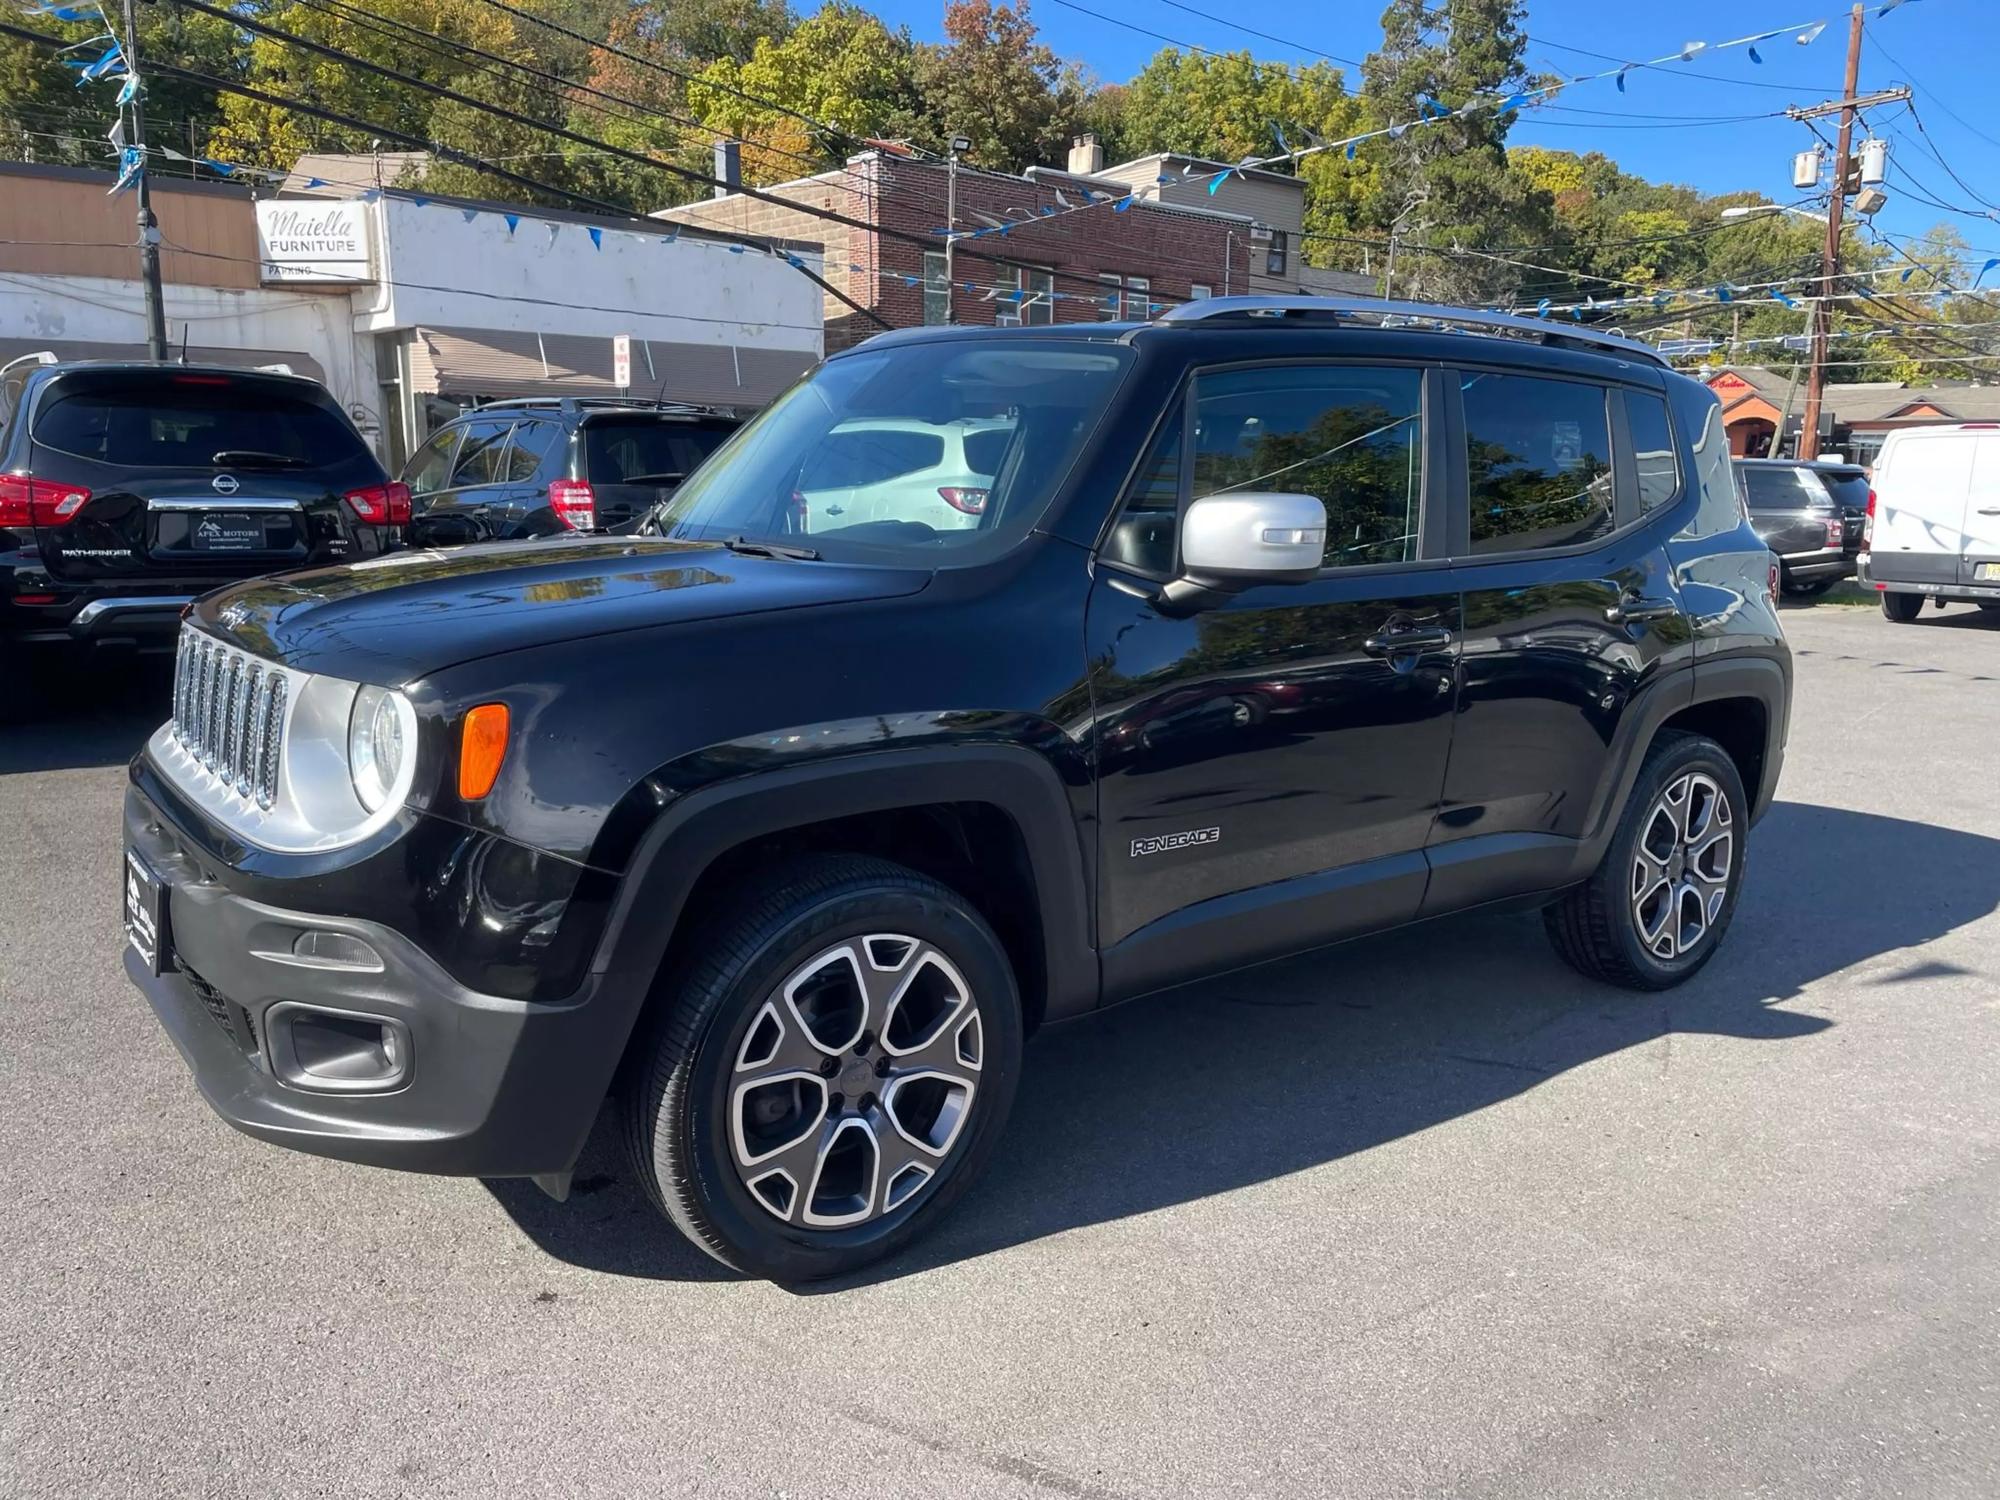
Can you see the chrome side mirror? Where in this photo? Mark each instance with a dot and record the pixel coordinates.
(1240, 538)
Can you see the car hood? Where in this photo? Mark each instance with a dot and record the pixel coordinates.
(390, 620)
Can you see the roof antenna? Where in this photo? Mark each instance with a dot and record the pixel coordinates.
(184, 340)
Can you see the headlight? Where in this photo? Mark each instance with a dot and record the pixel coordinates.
(379, 735)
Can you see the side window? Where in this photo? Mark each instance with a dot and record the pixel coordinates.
(1349, 435)
(1776, 488)
(1652, 450)
(429, 468)
(1143, 538)
(480, 453)
(1538, 462)
(531, 444)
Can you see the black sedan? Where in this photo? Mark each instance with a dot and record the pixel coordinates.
(1810, 514)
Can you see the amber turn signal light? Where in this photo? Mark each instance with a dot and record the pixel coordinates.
(481, 748)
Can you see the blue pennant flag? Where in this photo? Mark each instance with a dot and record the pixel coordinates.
(854, 267)
(420, 202)
(735, 249)
(513, 222)
(313, 182)
(1123, 205)
(1753, 55)
(1781, 299)
(1811, 34)
(128, 90)
(373, 195)
(468, 214)
(1278, 132)
(793, 261)
(64, 12)
(1351, 145)
(1542, 308)
(1216, 181)
(131, 162)
(1995, 261)
(1621, 77)
(909, 281)
(219, 168)
(1723, 294)
(596, 236)
(1908, 272)
(1512, 101)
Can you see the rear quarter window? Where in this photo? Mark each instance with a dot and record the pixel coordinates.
(184, 421)
(648, 450)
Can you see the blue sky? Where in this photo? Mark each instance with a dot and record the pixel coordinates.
(1949, 45)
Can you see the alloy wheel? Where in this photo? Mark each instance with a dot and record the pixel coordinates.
(1681, 865)
(854, 1082)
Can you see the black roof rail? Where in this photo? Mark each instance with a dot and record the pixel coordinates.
(1387, 314)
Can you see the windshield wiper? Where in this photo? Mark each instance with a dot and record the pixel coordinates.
(748, 548)
(251, 458)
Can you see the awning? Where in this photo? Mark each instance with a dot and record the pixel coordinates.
(486, 364)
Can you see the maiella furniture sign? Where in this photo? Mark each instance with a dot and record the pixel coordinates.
(313, 241)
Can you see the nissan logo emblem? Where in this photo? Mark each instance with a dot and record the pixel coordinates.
(225, 484)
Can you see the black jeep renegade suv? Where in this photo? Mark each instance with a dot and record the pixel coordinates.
(1281, 621)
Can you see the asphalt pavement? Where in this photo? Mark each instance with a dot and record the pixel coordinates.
(1424, 1215)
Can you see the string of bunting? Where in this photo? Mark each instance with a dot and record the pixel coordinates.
(1429, 111)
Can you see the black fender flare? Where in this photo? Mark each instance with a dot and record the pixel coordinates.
(696, 829)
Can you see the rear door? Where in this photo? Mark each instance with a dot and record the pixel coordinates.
(1923, 495)
(1848, 489)
(198, 475)
(1979, 552)
(1787, 507)
(466, 501)
(632, 461)
(1571, 615)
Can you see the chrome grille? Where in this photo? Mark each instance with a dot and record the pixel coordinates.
(229, 714)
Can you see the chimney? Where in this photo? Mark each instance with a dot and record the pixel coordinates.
(728, 167)
(1086, 157)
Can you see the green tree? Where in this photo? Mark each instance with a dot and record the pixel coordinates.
(1445, 185)
(841, 68)
(1228, 107)
(994, 81)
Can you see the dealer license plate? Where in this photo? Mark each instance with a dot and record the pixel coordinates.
(146, 916)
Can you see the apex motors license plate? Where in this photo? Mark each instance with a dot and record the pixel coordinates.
(228, 531)
(146, 916)
(1987, 573)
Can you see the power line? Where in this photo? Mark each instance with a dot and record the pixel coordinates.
(1265, 35)
(1911, 79)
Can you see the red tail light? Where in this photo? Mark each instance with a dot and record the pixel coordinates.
(382, 504)
(1836, 532)
(972, 502)
(801, 513)
(1868, 525)
(575, 506)
(1775, 582)
(28, 502)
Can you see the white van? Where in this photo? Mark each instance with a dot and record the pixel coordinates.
(1934, 519)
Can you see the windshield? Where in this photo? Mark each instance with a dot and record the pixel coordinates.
(929, 454)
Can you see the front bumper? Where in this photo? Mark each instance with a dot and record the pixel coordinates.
(1975, 593)
(496, 1087)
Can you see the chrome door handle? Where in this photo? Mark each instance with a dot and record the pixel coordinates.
(1632, 609)
(1990, 510)
(1395, 642)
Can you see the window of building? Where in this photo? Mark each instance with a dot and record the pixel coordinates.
(1040, 306)
(1538, 462)
(1007, 295)
(937, 289)
(1200, 293)
(1107, 303)
(1652, 449)
(1274, 254)
(1138, 298)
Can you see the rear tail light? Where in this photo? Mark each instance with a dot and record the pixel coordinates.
(972, 502)
(39, 502)
(1868, 524)
(575, 506)
(1774, 582)
(382, 504)
(1836, 532)
(801, 513)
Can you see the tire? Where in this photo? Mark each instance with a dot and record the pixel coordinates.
(1597, 927)
(1902, 608)
(811, 956)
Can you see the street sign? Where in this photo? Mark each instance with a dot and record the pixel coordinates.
(621, 361)
(1798, 343)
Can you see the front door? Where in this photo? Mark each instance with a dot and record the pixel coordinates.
(1269, 766)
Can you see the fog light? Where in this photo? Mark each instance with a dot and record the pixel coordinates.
(335, 950)
(338, 1052)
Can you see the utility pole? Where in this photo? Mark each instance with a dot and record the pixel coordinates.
(1822, 321)
(958, 143)
(149, 227)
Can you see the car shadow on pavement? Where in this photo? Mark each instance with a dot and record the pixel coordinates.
(1301, 1063)
(98, 714)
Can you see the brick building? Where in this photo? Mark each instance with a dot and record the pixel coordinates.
(1064, 263)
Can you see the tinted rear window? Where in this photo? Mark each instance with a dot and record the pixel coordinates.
(184, 421)
(646, 450)
(1779, 488)
(1849, 488)
(869, 455)
(984, 451)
